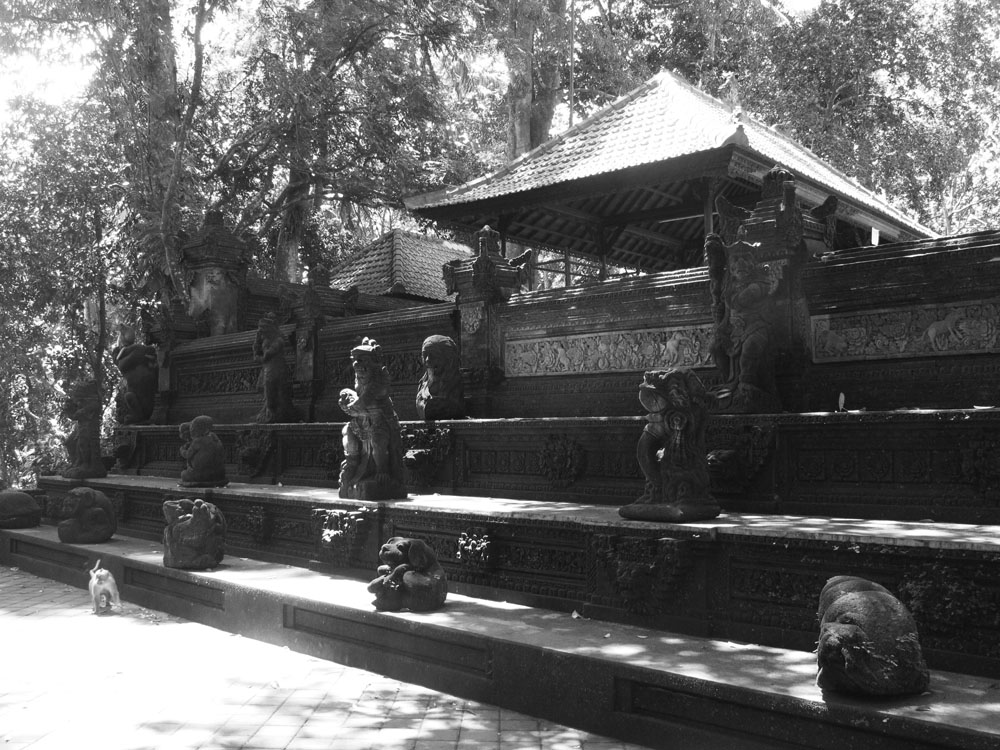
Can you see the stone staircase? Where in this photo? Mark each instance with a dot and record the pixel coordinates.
(695, 635)
(640, 684)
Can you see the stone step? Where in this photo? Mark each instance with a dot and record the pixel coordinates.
(639, 684)
(745, 577)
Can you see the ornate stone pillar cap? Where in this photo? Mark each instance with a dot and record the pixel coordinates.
(214, 246)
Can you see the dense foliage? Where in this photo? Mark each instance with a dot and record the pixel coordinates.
(306, 121)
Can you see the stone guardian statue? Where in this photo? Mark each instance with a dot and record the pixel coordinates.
(275, 378)
(439, 395)
(671, 450)
(373, 449)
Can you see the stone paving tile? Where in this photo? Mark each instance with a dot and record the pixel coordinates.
(141, 679)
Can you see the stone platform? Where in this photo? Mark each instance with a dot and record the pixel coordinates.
(745, 577)
(642, 685)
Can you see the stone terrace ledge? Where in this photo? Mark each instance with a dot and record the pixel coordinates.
(980, 538)
(641, 685)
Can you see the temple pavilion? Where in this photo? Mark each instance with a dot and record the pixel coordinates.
(635, 185)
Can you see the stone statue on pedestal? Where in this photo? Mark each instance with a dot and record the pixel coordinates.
(275, 379)
(373, 450)
(138, 366)
(440, 395)
(195, 535)
(671, 450)
(205, 456)
(83, 406)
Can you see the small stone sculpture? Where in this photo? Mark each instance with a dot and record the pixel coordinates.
(373, 450)
(410, 577)
(18, 510)
(868, 642)
(439, 395)
(137, 364)
(83, 406)
(275, 379)
(671, 450)
(195, 535)
(205, 456)
(103, 590)
(89, 517)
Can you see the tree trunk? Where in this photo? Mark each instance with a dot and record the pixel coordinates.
(520, 62)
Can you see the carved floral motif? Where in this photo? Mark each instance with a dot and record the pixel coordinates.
(919, 331)
(609, 352)
(562, 460)
(342, 533)
(643, 573)
(475, 550)
(254, 447)
(425, 451)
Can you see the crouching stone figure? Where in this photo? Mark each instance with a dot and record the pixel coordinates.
(195, 535)
(410, 577)
(868, 643)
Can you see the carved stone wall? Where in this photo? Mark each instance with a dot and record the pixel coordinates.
(920, 331)
(399, 335)
(909, 465)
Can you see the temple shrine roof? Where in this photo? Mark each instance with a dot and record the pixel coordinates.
(639, 170)
(399, 263)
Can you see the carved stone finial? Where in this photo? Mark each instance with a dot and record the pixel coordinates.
(671, 450)
(488, 240)
(215, 263)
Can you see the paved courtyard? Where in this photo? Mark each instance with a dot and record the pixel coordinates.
(144, 679)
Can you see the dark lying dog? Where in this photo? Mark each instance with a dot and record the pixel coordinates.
(410, 577)
(868, 643)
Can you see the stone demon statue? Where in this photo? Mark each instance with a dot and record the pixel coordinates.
(373, 450)
(671, 450)
(440, 393)
(83, 406)
(743, 346)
